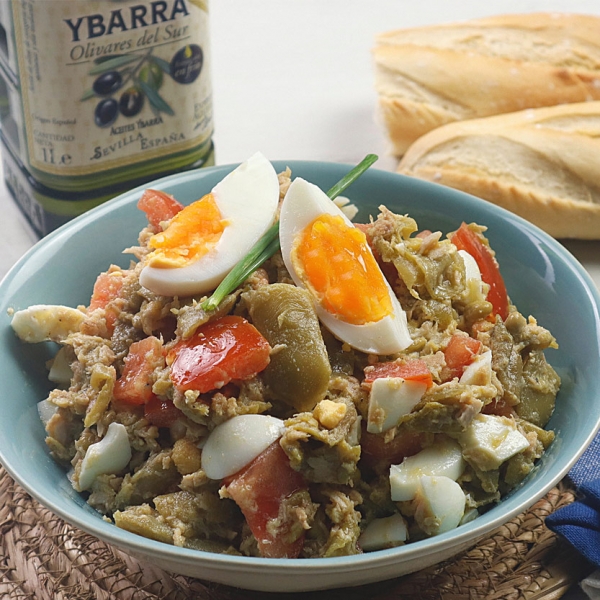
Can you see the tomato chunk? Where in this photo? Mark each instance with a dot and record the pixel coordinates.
(259, 489)
(466, 239)
(158, 206)
(413, 370)
(106, 288)
(220, 351)
(162, 413)
(135, 384)
(459, 353)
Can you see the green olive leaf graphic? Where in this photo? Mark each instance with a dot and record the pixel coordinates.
(152, 74)
(163, 64)
(155, 98)
(113, 63)
(87, 95)
(101, 59)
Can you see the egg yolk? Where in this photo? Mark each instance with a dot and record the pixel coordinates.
(336, 264)
(192, 233)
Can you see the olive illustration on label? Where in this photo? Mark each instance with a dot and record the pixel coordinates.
(107, 83)
(140, 76)
(152, 74)
(131, 101)
(186, 64)
(106, 112)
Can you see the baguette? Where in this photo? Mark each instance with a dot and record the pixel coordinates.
(430, 76)
(542, 164)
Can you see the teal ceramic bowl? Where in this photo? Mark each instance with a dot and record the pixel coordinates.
(543, 279)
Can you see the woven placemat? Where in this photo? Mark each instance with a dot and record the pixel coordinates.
(45, 558)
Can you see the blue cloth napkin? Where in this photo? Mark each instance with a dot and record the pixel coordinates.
(579, 522)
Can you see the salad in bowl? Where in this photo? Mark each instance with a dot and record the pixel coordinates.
(270, 378)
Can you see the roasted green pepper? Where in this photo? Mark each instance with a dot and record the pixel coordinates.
(299, 371)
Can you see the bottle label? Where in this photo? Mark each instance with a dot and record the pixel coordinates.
(111, 84)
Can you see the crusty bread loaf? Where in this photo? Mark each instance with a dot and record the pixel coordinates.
(430, 76)
(542, 164)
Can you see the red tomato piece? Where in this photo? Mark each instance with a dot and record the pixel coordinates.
(413, 370)
(162, 413)
(258, 489)
(466, 239)
(375, 452)
(459, 353)
(106, 288)
(135, 384)
(220, 351)
(158, 206)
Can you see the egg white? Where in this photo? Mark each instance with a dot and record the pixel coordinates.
(385, 532)
(439, 504)
(238, 441)
(111, 454)
(303, 203)
(443, 458)
(475, 289)
(44, 322)
(390, 399)
(247, 198)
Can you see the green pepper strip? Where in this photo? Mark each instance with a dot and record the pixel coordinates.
(269, 242)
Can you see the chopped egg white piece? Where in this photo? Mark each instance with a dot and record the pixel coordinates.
(60, 370)
(470, 515)
(439, 504)
(238, 441)
(353, 436)
(390, 399)
(489, 440)
(44, 322)
(475, 288)
(344, 204)
(479, 372)
(441, 458)
(46, 410)
(471, 267)
(387, 532)
(111, 454)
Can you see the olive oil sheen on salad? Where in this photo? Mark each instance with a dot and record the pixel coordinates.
(98, 97)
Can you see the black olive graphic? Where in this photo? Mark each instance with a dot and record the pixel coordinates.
(107, 83)
(186, 64)
(106, 112)
(131, 102)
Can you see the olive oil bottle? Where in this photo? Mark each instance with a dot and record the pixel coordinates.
(98, 97)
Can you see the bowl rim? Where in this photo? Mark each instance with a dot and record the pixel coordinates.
(466, 533)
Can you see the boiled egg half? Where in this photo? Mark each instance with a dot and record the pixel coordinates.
(204, 241)
(327, 255)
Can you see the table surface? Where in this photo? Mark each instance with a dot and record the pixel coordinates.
(294, 79)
